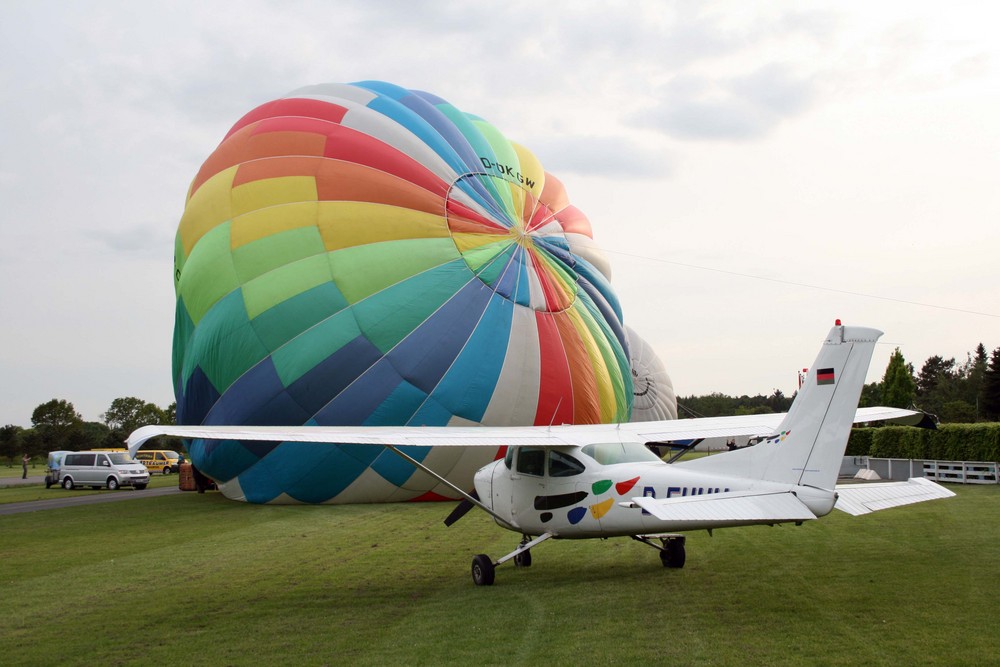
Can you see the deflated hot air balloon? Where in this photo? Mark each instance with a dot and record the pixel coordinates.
(653, 397)
(366, 254)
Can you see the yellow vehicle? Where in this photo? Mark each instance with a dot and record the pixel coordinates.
(159, 460)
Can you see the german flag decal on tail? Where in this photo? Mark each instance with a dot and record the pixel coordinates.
(824, 376)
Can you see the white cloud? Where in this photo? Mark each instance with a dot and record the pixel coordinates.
(613, 157)
(739, 108)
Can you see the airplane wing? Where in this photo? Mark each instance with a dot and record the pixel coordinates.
(419, 436)
(755, 425)
(499, 436)
(749, 507)
(857, 499)
(894, 416)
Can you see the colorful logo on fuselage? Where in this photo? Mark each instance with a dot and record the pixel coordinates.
(597, 509)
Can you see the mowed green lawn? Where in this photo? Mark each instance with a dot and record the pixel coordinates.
(14, 471)
(30, 492)
(197, 579)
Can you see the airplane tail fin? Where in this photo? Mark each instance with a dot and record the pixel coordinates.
(808, 446)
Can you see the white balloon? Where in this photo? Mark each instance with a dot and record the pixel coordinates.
(653, 396)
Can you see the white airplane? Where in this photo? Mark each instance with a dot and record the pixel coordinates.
(587, 481)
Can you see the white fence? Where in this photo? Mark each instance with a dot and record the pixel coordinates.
(959, 472)
(963, 472)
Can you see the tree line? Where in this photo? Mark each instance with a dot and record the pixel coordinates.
(955, 392)
(56, 425)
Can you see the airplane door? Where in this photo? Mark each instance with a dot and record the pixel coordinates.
(527, 482)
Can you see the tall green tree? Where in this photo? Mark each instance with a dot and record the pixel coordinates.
(941, 389)
(978, 364)
(871, 395)
(989, 403)
(129, 413)
(57, 425)
(95, 435)
(899, 389)
(40, 440)
(57, 413)
(10, 442)
(933, 373)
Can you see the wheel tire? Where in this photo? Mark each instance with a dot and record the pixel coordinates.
(166, 470)
(523, 559)
(112, 484)
(140, 487)
(68, 484)
(673, 554)
(483, 570)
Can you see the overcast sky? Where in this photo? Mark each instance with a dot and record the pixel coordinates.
(754, 170)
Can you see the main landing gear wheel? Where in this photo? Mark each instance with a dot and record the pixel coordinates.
(673, 553)
(523, 559)
(483, 570)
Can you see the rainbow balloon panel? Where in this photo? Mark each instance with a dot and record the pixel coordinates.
(367, 254)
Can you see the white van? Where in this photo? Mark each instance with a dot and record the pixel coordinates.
(97, 469)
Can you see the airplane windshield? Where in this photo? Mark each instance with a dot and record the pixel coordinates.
(619, 452)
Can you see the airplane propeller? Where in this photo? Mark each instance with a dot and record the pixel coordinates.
(460, 510)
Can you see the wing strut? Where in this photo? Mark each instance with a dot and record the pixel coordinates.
(475, 501)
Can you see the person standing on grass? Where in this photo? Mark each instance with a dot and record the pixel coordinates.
(24, 466)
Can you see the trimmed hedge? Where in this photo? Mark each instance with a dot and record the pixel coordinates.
(860, 442)
(949, 442)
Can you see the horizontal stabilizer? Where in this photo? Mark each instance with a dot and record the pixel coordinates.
(860, 499)
(728, 507)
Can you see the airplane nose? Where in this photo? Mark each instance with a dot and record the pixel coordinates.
(483, 482)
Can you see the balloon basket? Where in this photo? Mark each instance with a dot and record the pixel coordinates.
(186, 481)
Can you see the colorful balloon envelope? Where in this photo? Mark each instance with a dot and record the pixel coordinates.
(366, 254)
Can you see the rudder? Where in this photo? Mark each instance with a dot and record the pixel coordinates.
(808, 446)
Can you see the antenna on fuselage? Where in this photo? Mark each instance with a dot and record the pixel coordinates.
(555, 412)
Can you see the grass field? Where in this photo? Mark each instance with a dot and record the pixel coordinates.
(12, 471)
(27, 493)
(197, 579)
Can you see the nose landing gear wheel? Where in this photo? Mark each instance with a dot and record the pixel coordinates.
(523, 559)
(483, 570)
(673, 554)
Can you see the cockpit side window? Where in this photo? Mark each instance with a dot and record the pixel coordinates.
(563, 465)
(508, 459)
(531, 461)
